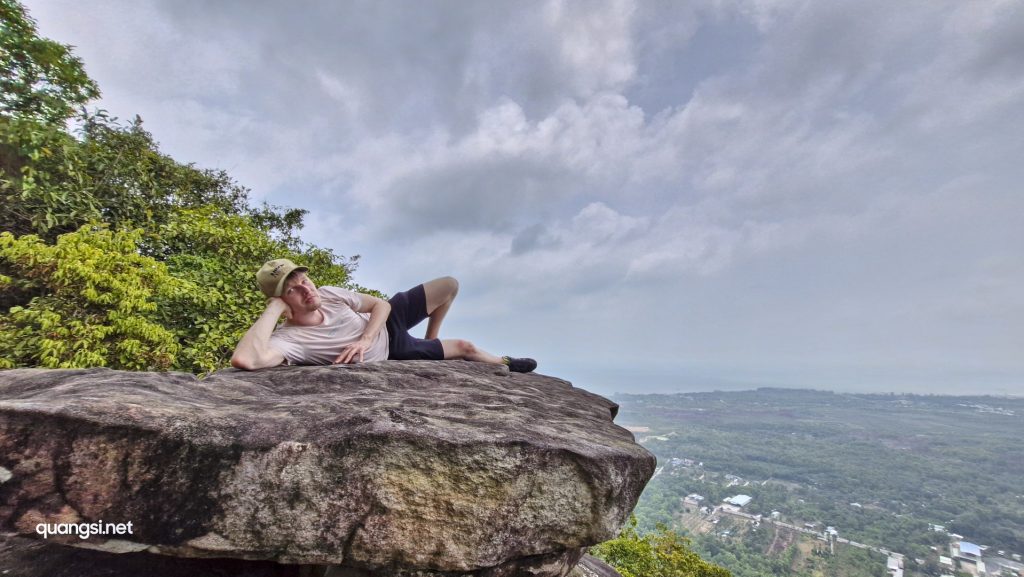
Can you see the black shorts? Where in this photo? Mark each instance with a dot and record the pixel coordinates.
(408, 309)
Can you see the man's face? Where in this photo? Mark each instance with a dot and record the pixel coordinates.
(300, 293)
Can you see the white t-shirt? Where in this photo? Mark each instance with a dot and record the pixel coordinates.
(342, 326)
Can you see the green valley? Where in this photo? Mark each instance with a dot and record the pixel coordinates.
(901, 480)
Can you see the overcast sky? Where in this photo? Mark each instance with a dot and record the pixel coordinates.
(645, 196)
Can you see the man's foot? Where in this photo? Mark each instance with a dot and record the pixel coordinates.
(520, 365)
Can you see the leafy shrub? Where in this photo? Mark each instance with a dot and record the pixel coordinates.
(95, 303)
(663, 553)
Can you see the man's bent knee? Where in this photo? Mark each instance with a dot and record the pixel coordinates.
(459, 348)
(439, 292)
(466, 348)
(450, 284)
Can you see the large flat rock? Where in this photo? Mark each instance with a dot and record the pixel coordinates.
(593, 567)
(404, 468)
(24, 557)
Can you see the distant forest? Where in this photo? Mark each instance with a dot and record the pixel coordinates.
(882, 469)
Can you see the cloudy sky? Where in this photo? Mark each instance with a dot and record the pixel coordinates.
(645, 196)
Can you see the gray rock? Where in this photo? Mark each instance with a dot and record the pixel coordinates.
(590, 566)
(24, 557)
(397, 468)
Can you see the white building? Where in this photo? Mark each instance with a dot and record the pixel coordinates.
(894, 564)
(693, 499)
(969, 557)
(738, 500)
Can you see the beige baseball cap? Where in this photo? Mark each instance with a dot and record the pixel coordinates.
(273, 273)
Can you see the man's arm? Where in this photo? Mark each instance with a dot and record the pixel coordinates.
(379, 310)
(254, 351)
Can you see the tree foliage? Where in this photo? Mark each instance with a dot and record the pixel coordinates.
(39, 78)
(97, 303)
(663, 553)
(112, 253)
(54, 182)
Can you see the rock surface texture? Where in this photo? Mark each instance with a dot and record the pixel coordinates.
(593, 567)
(24, 557)
(395, 468)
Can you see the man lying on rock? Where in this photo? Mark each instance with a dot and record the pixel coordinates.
(332, 325)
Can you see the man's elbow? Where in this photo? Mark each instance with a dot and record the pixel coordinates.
(250, 362)
(243, 362)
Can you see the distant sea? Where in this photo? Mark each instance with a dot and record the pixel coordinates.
(608, 380)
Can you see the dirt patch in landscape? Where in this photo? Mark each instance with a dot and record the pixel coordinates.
(782, 539)
(803, 560)
(695, 523)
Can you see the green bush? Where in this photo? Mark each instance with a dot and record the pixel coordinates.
(663, 553)
(95, 303)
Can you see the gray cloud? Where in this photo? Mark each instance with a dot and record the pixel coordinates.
(407, 67)
(814, 192)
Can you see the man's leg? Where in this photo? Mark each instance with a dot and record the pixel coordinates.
(462, 349)
(440, 293)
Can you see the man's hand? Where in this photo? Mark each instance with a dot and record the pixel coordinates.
(279, 307)
(354, 353)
